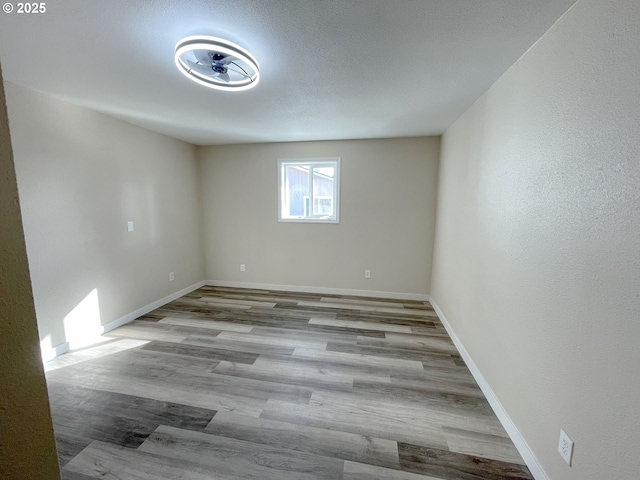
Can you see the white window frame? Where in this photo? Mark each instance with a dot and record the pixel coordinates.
(283, 191)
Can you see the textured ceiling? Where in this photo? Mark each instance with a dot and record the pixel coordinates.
(330, 69)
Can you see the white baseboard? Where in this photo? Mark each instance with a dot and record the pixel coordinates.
(49, 353)
(129, 317)
(320, 290)
(518, 440)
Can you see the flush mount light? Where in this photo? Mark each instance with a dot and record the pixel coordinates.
(217, 63)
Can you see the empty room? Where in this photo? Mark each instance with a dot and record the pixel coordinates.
(320, 239)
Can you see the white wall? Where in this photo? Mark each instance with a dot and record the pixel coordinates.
(387, 216)
(81, 177)
(537, 257)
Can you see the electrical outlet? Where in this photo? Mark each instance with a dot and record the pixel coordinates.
(171, 277)
(565, 447)
(367, 274)
(242, 267)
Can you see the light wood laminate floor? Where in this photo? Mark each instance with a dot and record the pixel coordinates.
(227, 383)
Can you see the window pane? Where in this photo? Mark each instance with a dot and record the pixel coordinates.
(297, 184)
(323, 178)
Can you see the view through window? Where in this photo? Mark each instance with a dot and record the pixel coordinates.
(309, 190)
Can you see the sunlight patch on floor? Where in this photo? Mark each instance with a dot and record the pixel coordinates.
(108, 346)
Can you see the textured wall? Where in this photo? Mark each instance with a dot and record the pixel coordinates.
(81, 177)
(27, 448)
(537, 255)
(387, 216)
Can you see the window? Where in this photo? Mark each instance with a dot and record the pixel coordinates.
(308, 190)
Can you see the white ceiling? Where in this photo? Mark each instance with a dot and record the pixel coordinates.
(330, 69)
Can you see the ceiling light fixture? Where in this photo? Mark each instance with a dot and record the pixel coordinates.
(217, 63)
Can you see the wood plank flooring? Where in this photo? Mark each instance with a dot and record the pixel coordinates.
(228, 383)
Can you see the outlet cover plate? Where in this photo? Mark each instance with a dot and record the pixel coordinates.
(565, 447)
